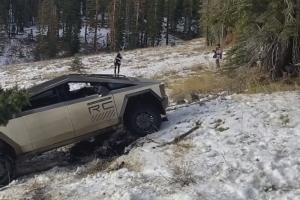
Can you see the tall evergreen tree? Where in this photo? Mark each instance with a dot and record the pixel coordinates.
(72, 22)
(48, 28)
(191, 14)
(117, 24)
(112, 23)
(95, 6)
(136, 22)
(265, 30)
(155, 15)
(178, 13)
(170, 16)
(96, 13)
(2, 36)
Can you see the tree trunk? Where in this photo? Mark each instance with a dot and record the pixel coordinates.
(168, 19)
(85, 31)
(102, 16)
(96, 27)
(86, 22)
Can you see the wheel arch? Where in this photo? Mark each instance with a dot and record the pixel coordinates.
(146, 97)
(9, 146)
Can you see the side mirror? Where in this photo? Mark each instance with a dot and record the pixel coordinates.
(103, 91)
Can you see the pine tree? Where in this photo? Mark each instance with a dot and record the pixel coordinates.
(191, 14)
(155, 14)
(11, 103)
(178, 12)
(2, 36)
(129, 25)
(117, 24)
(137, 20)
(112, 23)
(77, 65)
(96, 7)
(48, 31)
(268, 31)
(72, 21)
(170, 15)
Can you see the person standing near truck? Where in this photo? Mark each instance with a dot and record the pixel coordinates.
(118, 59)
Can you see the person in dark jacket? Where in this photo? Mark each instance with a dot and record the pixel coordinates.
(218, 54)
(118, 59)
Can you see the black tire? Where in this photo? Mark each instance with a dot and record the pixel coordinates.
(143, 119)
(7, 169)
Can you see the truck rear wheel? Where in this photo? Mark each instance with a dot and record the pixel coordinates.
(7, 169)
(144, 119)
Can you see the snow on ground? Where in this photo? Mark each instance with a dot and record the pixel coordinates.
(19, 49)
(246, 147)
(149, 62)
(239, 147)
(14, 53)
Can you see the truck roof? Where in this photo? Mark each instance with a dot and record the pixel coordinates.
(83, 78)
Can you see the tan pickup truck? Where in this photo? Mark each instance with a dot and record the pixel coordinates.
(76, 107)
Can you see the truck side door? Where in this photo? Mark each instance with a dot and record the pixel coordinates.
(47, 121)
(93, 114)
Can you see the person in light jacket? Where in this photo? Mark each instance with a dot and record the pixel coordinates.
(218, 54)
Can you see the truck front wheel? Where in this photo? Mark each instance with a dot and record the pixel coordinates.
(144, 119)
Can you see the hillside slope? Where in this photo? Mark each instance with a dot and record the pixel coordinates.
(235, 146)
(150, 62)
(245, 147)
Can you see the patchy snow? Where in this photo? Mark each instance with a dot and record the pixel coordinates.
(20, 48)
(13, 52)
(101, 35)
(246, 147)
(149, 62)
(239, 146)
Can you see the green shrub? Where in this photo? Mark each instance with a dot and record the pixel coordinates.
(11, 103)
(77, 65)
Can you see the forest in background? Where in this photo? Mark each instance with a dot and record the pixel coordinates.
(258, 33)
(131, 23)
(263, 33)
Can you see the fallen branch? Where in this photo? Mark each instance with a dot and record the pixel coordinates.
(179, 138)
(138, 143)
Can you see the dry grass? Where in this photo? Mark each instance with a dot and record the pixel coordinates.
(256, 81)
(197, 68)
(206, 82)
(182, 148)
(285, 119)
(186, 144)
(245, 81)
(204, 49)
(171, 74)
(139, 67)
(183, 170)
(133, 165)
